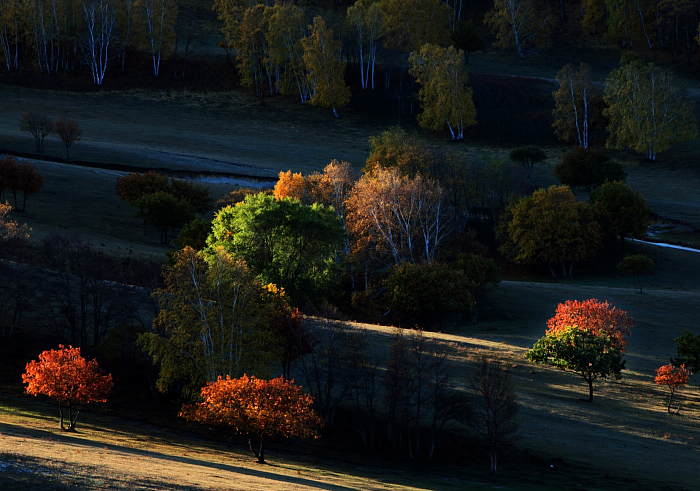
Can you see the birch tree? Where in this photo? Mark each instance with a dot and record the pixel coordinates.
(99, 33)
(209, 322)
(647, 109)
(367, 19)
(159, 16)
(444, 95)
(326, 71)
(520, 24)
(285, 27)
(574, 104)
(400, 219)
(10, 32)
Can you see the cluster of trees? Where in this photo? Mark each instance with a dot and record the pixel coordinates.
(646, 108)
(40, 126)
(526, 26)
(167, 203)
(550, 227)
(588, 338)
(64, 35)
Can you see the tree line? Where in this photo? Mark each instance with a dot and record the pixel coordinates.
(67, 35)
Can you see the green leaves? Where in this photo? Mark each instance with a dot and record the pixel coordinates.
(286, 243)
(579, 351)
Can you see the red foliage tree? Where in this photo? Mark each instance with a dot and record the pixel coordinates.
(673, 377)
(67, 377)
(255, 407)
(593, 316)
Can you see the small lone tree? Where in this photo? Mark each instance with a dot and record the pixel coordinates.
(673, 377)
(579, 351)
(495, 408)
(255, 407)
(69, 132)
(527, 157)
(65, 376)
(39, 125)
(688, 351)
(638, 264)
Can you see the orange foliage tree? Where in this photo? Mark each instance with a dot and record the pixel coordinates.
(254, 407)
(593, 316)
(67, 377)
(673, 377)
(291, 185)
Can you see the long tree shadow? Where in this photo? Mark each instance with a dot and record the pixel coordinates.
(14, 431)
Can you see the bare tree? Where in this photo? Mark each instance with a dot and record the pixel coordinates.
(360, 378)
(80, 302)
(494, 409)
(322, 367)
(69, 132)
(39, 125)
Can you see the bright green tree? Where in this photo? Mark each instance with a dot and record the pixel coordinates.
(550, 227)
(283, 241)
(647, 109)
(580, 351)
(444, 95)
(326, 70)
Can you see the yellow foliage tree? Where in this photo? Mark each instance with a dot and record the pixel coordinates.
(409, 24)
(326, 70)
(647, 109)
(574, 104)
(550, 227)
(444, 95)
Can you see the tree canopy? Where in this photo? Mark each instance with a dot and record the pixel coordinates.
(588, 168)
(594, 316)
(68, 378)
(284, 242)
(444, 95)
(256, 408)
(624, 209)
(550, 227)
(579, 351)
(647, 109)
(211, 321)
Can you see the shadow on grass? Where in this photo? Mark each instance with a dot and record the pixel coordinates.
(12, 430)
